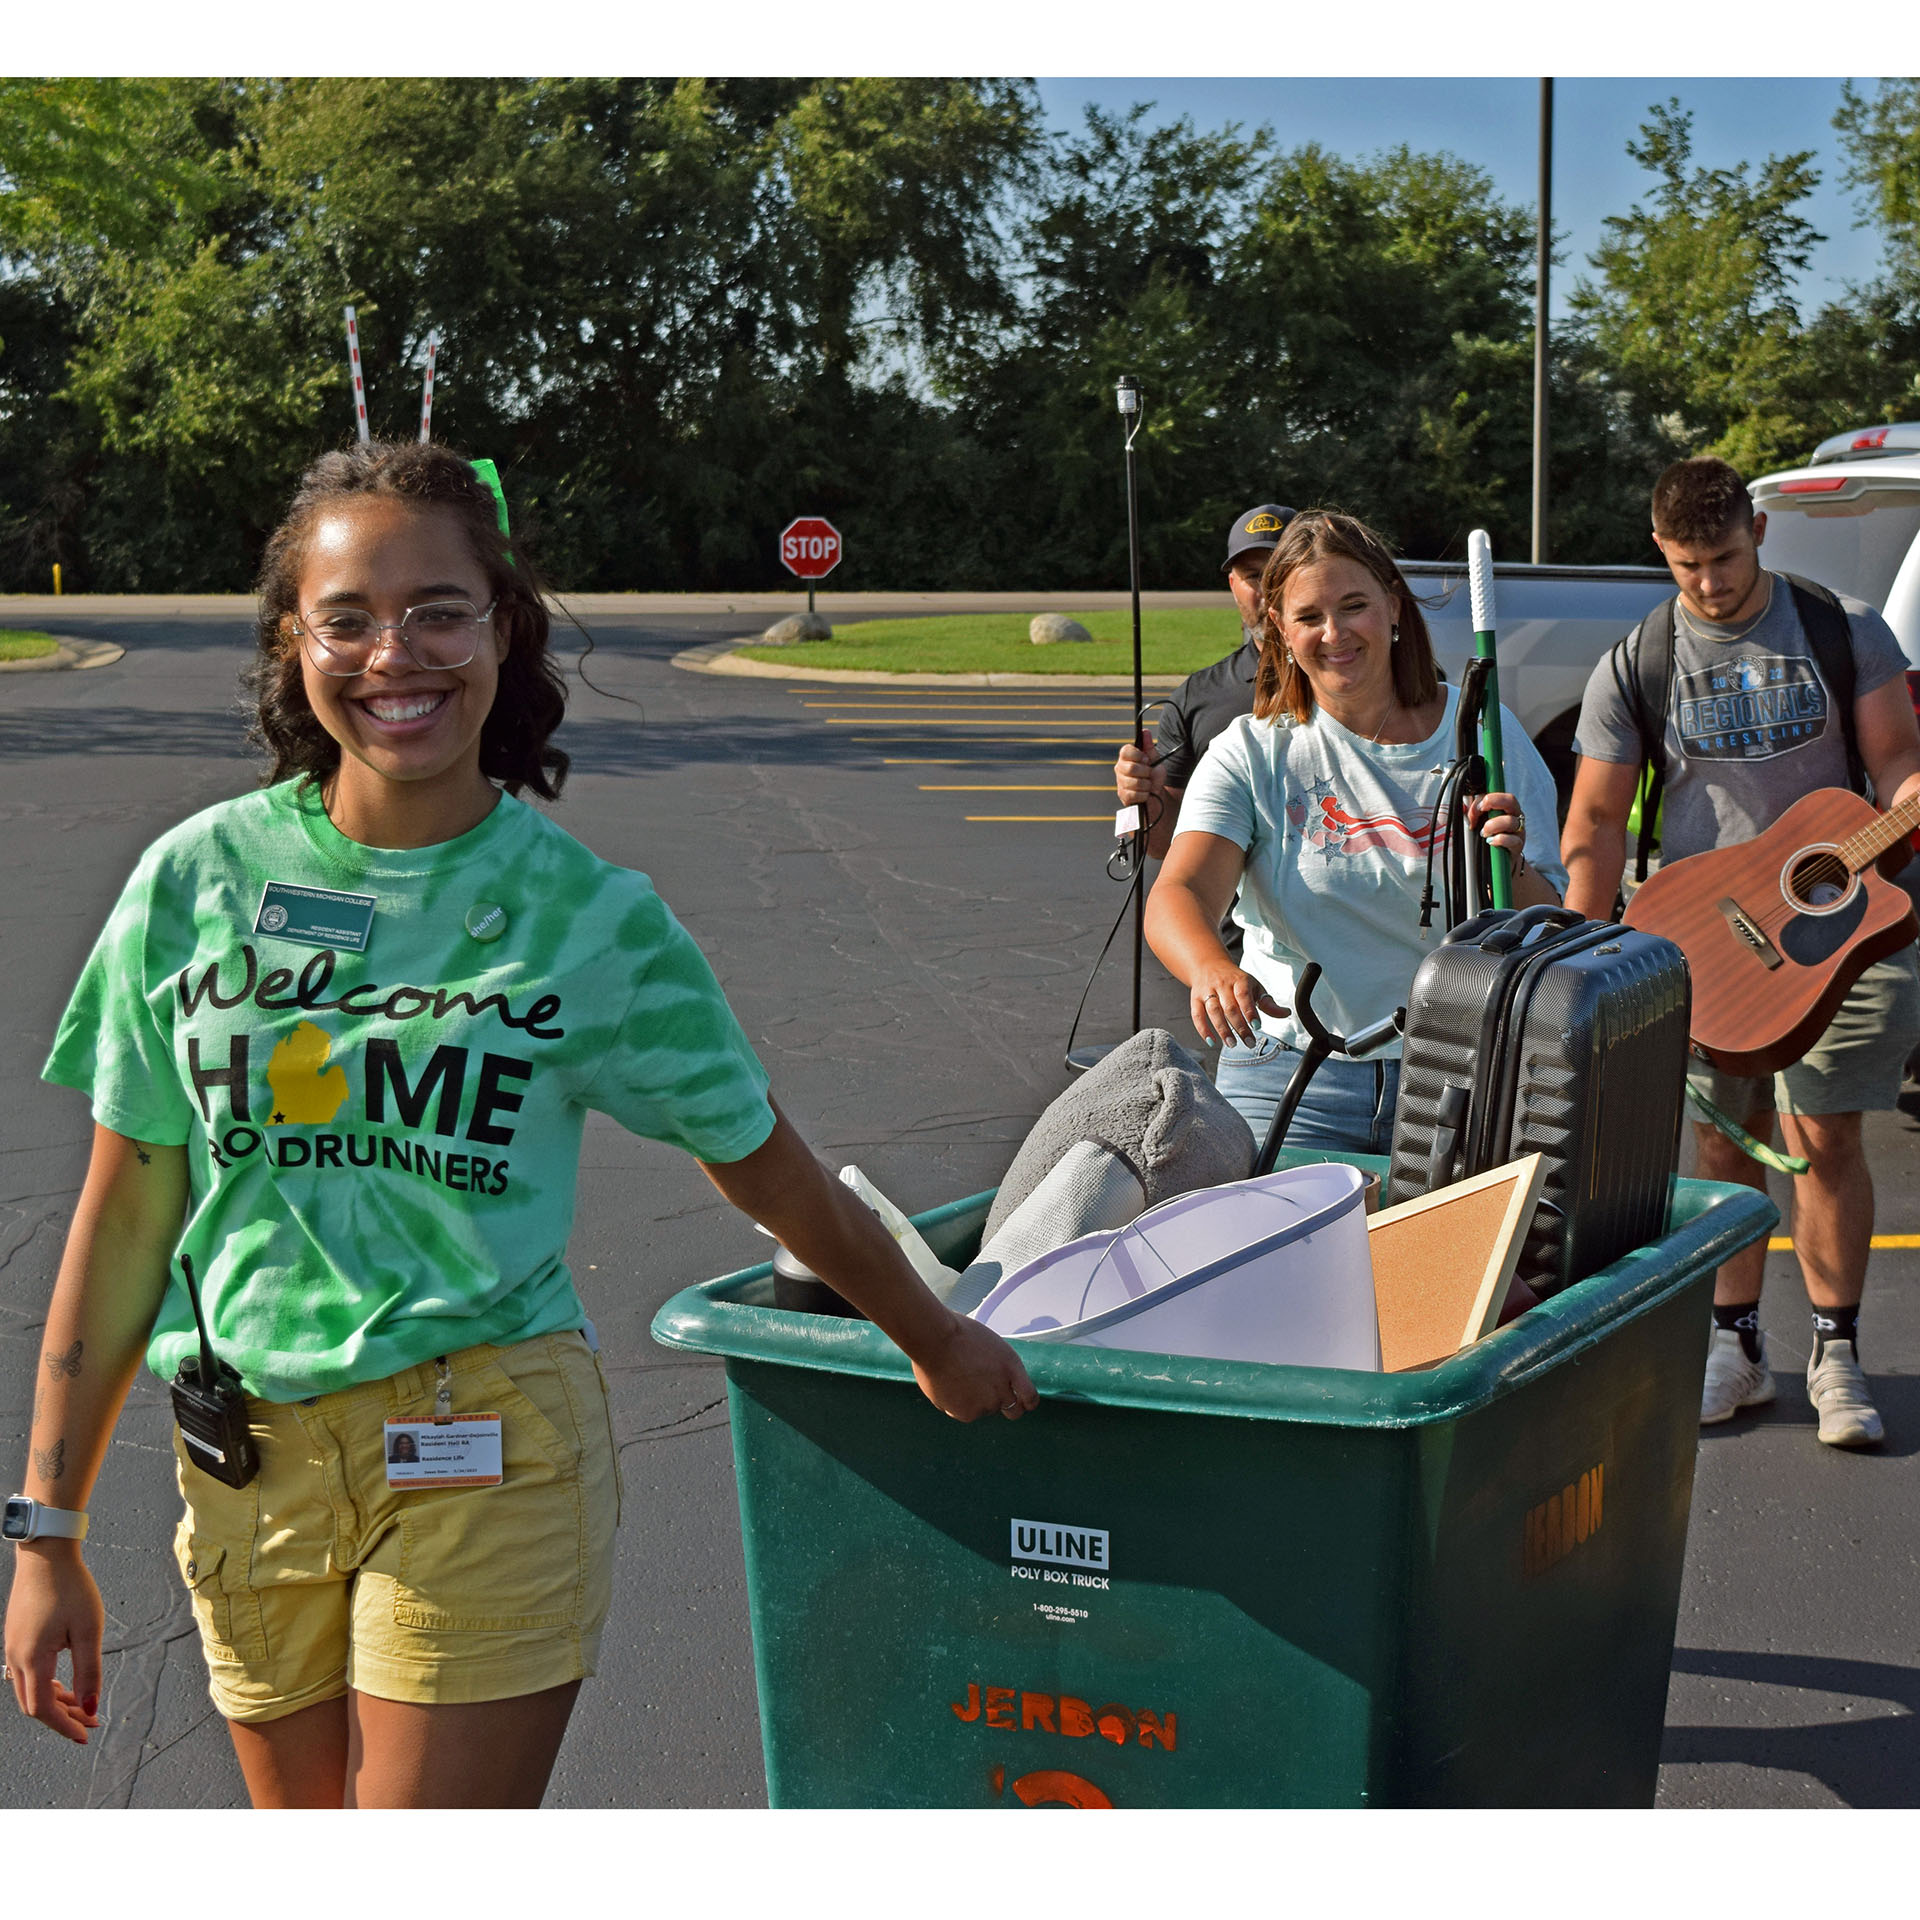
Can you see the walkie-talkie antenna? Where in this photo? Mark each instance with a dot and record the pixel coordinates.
(209, 1366)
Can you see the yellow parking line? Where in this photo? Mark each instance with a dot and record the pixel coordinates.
(987, 740)
(1009, 721)
(1013, 789)
(872, 690)
(1101, 819)
(1881, 1243)
(1030, 706)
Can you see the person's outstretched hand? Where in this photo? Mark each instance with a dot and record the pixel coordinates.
(54, 1608)
(1226, 1003)
(974, 1372)
(965, 1369)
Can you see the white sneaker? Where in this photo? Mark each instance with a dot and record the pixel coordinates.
(1733, 1381)
(1838, 1390)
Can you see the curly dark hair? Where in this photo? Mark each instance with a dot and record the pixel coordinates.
(1321, 534)
(516, 741)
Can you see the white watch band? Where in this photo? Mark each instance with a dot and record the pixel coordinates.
(43, 1522)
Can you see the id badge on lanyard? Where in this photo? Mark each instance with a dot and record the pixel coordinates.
(448, 1450)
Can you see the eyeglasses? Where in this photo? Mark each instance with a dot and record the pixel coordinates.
(342, 641)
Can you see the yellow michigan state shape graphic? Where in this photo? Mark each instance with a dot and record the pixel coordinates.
(306, 1091)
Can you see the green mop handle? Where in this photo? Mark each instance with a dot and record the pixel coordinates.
(1480, 590)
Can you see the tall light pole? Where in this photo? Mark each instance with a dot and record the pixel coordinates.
(1128, 860)
(1127, 396)
(1543, 261)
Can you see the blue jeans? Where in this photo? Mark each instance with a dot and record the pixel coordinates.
(1348, 1107)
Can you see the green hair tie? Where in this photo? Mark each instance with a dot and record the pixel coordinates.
(490, 478)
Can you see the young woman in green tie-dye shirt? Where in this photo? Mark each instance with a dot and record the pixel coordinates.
(340, 1037)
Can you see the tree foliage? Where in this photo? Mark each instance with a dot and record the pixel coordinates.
(677, 312)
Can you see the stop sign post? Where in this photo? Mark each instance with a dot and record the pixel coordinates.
(810, 547)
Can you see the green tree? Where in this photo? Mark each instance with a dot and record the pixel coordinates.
(1881, 139)
(653, 297)
(1693, 312)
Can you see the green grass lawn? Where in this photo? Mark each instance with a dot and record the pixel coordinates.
(1173, 640)
(16, 644)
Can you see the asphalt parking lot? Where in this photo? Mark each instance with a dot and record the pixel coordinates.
(901, 892)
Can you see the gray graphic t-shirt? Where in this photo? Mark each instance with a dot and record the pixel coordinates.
(1751, 726)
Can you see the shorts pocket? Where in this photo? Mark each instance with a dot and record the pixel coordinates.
(512, 1557)
(229, 1620)
(554, 1432)
(491, 1559)
(613, 1442)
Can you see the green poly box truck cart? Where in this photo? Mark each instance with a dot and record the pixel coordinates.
(1192, 1583)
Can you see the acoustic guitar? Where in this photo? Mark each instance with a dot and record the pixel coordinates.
(1776, 930)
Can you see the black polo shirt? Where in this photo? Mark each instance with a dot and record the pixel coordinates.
(1203, 707)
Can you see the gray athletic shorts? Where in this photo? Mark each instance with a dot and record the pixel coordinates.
(1856, 1066)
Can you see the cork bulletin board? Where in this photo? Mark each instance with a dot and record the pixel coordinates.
(1442, 1263)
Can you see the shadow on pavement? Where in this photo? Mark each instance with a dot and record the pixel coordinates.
(1897, 1395)
(52, 732)
(1866, 1761)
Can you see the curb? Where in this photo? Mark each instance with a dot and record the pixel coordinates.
(720, 657)
(71, 652)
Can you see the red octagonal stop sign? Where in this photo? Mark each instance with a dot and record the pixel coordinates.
(811, 548)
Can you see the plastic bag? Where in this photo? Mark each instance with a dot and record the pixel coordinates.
(940, 1279)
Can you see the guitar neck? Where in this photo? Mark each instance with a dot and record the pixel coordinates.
(1893, 826)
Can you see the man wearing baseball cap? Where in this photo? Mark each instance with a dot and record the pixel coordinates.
(1209, 701)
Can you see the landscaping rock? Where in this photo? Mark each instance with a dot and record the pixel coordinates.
(1052, 629)
(795, 628)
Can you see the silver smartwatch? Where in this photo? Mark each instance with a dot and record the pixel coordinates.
(27, 1519)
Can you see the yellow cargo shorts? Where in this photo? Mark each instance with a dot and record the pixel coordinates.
(317, 1576)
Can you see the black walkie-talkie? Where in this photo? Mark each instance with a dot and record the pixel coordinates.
(211, 1406)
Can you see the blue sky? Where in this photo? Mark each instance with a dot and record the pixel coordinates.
(1494, 124)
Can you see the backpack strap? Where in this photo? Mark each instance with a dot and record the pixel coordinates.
(1829, 633)
(1643, 677)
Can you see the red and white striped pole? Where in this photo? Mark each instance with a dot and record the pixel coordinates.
(359, 385)
(426, 392)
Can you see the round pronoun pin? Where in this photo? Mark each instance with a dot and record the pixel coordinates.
(486, 922)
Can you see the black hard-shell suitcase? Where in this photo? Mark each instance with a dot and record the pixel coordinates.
(1539, 1032)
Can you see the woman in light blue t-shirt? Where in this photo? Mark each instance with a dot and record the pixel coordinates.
(1318, 810)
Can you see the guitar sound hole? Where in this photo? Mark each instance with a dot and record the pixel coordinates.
(1819, 879)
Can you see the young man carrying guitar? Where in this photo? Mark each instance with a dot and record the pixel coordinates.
(1835, 708)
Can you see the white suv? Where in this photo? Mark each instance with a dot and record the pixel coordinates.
(1850, 519)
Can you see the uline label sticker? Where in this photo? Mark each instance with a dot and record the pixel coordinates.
(1060, 1545)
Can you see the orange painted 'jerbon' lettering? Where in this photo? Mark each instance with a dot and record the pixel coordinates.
(1074, 1719)
(1562, 1521)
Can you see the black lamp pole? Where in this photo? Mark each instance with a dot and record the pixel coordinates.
(1127, 393)
(1543, 264)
